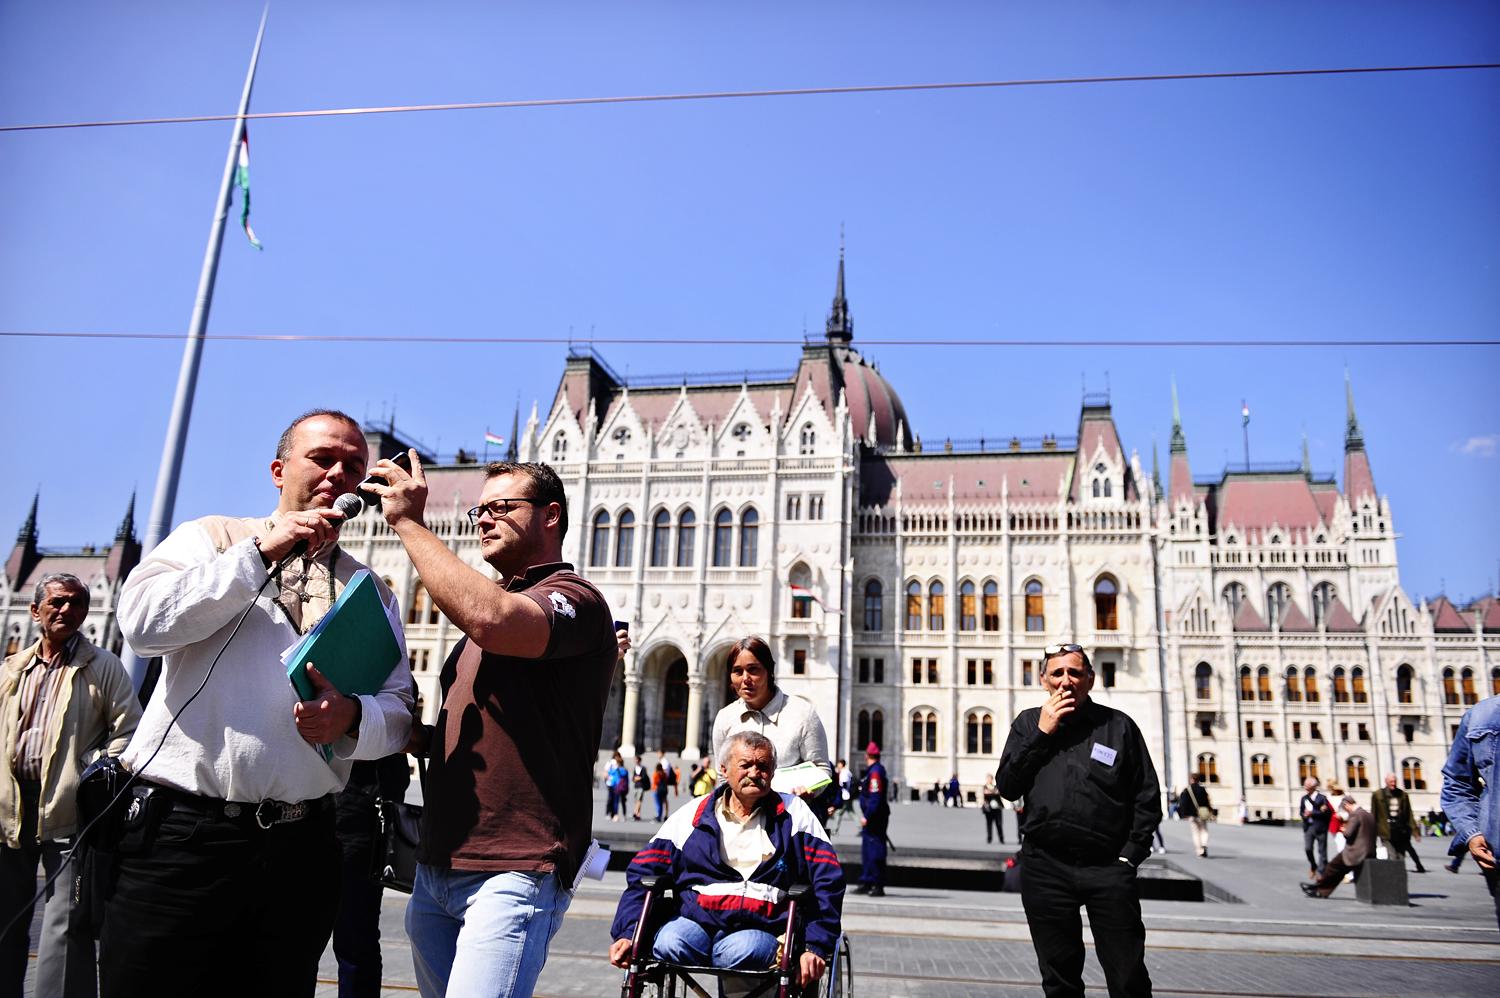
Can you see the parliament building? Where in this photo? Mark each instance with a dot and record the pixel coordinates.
(1252, 623)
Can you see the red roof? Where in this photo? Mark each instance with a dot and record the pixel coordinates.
(1488, 610)
(1027, 476)
(88, 567)
(1253, 502)
(1294, 620)
(1339, 617)
(461, 484)
(1096, 430)
(1248, 620)
(1327, 498)
(1446, 618)
(1359, 481)
(1180, 480)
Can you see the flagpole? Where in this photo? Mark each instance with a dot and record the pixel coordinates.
(165, 497)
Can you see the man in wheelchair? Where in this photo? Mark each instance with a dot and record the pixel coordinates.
(733, 857)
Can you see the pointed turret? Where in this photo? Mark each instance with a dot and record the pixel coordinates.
(840, 325)
(1155, 470)
(1359, 481)
(127, 525)
(511, 449)
(1180, 474)
(1306, 458)
(125, 553)
(23, 557)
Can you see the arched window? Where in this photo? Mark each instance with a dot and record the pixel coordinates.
(1203, 681)
(935, 607)
(1307, 768)
(991, 607)
(1096, 488)
(968, 619)
(749, 532)
(801, 579)
(1293, 685)
(1277, 598)
(1260, 770)
(1234, 598)
(599, 544)
(624, 539)
(923, 731)
(877, 728)
(1355, 774)
(874, 606)
(1247, 684)
(1036, 618)
(1404, 676)
(1357, 680)
(1263, 683)
(559, 448)
(723, 539)
(1323, 594)
(1411, 775)
(1450, 687)
(862, 728)
(914, 605)
(1340, 685)
(809, 439)
(1208, 768)
(1471, 696)
(1495, 682)
(422, 610)
(661, 539)
(1105, 594)
(1310, 684)
(687, 529)
(979, 733)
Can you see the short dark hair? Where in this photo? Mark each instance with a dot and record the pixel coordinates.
(65, 579)
(756, 646)
(284, 445)
(545, 485)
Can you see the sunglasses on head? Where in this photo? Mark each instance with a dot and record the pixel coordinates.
(1052, 651)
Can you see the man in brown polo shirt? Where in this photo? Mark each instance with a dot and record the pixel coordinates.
(509, 781)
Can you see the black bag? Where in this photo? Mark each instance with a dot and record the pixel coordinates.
(401, 831)
(101, 812)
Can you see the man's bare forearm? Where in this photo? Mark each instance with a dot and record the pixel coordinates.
(497, 621)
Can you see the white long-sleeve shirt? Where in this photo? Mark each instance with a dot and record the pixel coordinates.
(238, 740)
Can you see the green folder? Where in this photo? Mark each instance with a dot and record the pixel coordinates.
(353, 645)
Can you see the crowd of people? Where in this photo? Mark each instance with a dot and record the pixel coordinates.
(247, 830)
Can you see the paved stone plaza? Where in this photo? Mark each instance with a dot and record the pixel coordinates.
(955, 943)
(1272, 941)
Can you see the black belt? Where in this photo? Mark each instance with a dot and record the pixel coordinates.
(265, 814)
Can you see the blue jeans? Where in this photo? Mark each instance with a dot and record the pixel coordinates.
(482, 933)
(684, 941)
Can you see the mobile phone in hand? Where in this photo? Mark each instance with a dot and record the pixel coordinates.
(402, 461)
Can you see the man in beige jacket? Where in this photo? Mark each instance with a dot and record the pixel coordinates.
(63, 702)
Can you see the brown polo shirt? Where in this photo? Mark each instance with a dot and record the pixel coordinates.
(510, 774)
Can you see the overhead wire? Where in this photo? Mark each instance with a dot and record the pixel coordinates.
(575, 341)
(743, 94)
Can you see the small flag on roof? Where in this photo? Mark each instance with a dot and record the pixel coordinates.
(493, 438)
(242, 181)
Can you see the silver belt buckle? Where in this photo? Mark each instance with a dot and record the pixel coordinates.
(287, 812)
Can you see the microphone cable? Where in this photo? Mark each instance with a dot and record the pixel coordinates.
(82, 835)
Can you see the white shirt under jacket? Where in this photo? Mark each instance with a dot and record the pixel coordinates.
(238, 740)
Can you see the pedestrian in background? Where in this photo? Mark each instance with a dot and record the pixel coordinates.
(659, 790)
(874, 804)
(641, 777)
(1394, 821)
(994, 812)
(617, 786)
(1359, 833)
(1317, 814)
(1195, 806)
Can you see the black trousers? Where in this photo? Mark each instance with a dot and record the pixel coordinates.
(356, 933)
(1052, 891)
(1315, 836)
(206, 905)
(994, 824)
(1400, 845)
(1492, 880)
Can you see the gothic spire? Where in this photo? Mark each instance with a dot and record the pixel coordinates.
(1353, 439)
(840, 325)
(1179, 442)
(512, 448)
(127, 525)
(1306, 459)
(28, 529)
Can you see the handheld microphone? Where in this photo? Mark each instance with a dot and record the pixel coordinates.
(349, 504)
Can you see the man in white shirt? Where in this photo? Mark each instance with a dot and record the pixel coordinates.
(228, 865)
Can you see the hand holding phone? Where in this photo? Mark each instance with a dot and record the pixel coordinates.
(401, 460)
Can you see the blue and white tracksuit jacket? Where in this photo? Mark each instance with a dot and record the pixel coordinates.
(711, 892)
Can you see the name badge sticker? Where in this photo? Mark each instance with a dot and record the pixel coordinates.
(1104, 754)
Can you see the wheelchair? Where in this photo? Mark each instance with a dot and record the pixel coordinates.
(648, 977)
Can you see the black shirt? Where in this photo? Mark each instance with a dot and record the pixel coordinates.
(1090, 788)
(1315, 810)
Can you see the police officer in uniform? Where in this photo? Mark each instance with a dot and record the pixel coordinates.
(875, 805)
(1092, 807)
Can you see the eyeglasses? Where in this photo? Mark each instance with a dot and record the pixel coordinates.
(501, 507)
(1052, 651)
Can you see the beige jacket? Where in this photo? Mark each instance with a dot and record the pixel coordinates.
(99, 714)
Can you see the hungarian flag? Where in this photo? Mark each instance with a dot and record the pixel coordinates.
(493, 438)
(242, 181)
(803, 593)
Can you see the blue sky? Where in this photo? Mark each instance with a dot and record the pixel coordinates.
(1289, 208)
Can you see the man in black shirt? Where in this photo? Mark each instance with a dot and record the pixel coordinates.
(1092, 806)
(1317, 813)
